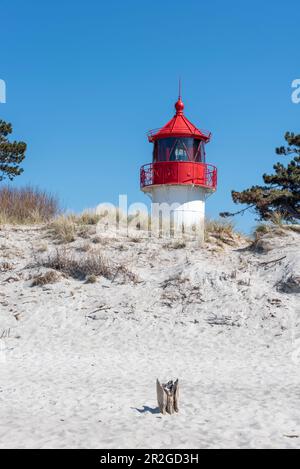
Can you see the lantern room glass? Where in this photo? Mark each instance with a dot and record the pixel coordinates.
(178, 149)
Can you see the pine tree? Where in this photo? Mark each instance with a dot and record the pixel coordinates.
(11, 153)
(281, 193)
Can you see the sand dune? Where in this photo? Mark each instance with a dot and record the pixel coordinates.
(79, 360)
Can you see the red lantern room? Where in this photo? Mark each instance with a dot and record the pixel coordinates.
(179, 155)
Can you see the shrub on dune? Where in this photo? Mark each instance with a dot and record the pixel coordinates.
(26, 205)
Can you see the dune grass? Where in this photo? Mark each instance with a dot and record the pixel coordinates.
(44, 279)
(26, 205)
(87, 266)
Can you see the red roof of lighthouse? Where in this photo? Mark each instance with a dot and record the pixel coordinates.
(179, 126)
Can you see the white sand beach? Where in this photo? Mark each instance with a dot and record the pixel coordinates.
(79, 360)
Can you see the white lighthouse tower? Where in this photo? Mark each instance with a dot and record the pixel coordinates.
(179, 180)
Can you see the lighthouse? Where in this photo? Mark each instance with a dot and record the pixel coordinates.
(179, 180)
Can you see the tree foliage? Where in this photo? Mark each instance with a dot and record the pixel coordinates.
(280, 194)
(11, 153)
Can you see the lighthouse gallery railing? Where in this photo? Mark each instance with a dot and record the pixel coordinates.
(179, 172)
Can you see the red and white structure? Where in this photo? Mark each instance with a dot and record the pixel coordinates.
(179, 175)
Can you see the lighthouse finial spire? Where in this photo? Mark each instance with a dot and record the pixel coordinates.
(179, 106)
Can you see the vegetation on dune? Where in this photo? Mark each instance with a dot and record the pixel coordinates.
(11, 153)
(65, 228)
(44, 279)
(222, 232)
(87, 267)
(220, 227)
(26, 205)
(280, 196)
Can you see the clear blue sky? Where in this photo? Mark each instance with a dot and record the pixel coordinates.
(86, 80)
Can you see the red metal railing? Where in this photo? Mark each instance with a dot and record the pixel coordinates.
(179, 172)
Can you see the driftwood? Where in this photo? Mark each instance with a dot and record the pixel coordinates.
(168, 396)
(274, 260)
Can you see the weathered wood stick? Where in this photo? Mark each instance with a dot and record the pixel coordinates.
(270, 262)
(168, 397)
